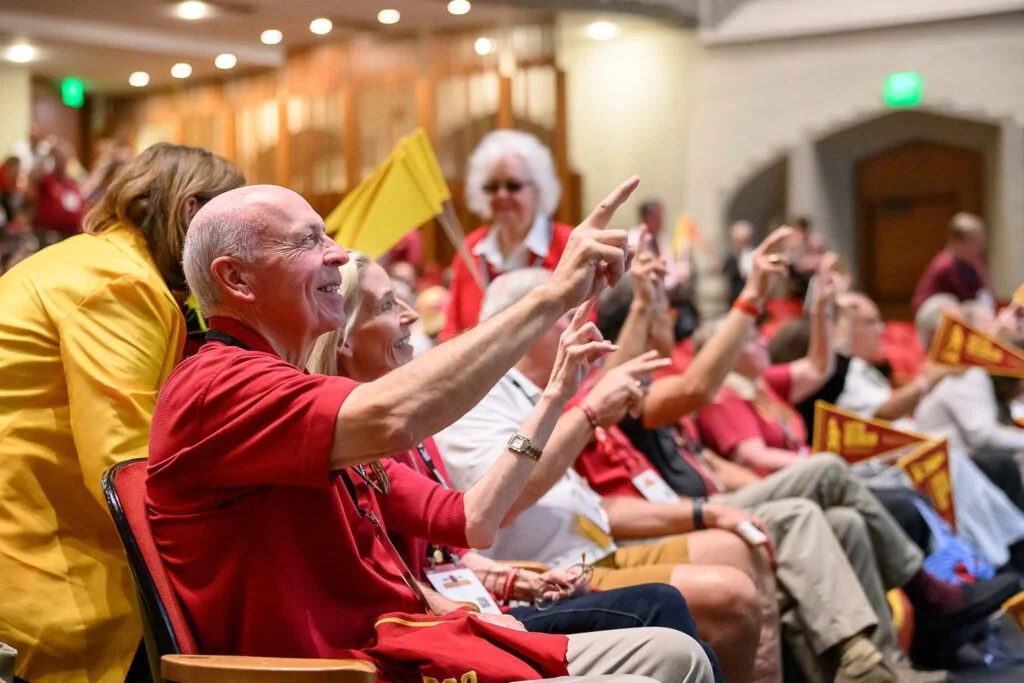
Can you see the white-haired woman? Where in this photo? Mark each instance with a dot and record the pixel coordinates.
(511, 182)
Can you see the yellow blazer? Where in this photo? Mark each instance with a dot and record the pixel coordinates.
(88, 334)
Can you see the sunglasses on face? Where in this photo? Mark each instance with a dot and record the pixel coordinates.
(511, 186)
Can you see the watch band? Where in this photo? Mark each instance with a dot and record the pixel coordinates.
(698, 514)
(517, 443)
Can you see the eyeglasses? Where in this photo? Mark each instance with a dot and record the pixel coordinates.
(576, 576)
(511, 186)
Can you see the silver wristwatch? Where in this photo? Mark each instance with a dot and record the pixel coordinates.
(517, 443)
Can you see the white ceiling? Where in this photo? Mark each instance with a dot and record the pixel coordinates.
(103, 41)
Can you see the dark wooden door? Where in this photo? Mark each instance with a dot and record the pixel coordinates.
(905, 198)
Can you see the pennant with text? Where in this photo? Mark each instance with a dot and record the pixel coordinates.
(857, 438)
(960, 344)
(928, 468)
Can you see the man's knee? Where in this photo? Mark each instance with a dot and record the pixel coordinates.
(846, 522)
(733, 600)
(829, 465)
(790, 512)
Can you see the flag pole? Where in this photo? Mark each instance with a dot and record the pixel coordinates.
(452, 227)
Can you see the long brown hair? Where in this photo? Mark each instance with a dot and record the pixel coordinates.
(149, 193)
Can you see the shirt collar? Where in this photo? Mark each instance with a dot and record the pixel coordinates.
(537, 241)
(241, 332)
(523, 384)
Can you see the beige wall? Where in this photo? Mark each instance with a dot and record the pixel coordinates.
(759, 102)
(16, 86)
(629, 108)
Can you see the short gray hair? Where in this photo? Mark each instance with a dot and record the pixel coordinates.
(225, 234)
(928, 315)
(509, 288)
(535, 156)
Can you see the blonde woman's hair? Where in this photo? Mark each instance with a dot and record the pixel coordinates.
(149, 192)
(324, 359)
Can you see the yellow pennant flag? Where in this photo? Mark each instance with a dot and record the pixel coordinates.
(1018, 296)
(422, 155)
(1015, 608)
(857, 438)
(928, 468)
(960, 344)
(344, 221)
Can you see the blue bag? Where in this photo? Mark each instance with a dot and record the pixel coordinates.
(952, 559)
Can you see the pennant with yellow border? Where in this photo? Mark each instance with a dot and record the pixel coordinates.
(1015, 608)
(960, 344)
(857, 438)
(1018, 296)
(928, 468)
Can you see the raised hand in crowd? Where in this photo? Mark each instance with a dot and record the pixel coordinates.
(767, 267)
(579, 346)
(622, 389)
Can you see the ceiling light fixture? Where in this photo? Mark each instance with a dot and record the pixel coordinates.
(602, 30)
(225, 61)
(484, 46)
(389, 16)
(181, 70)
(459, 7)
(138, 79)
(321, 26)
(271, 36)
(20, 53)
(193, 10)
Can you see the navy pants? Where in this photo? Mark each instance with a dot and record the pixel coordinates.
(652, 604)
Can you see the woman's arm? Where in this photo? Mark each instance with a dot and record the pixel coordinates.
(756, 454)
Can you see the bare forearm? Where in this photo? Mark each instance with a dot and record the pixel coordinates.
(767, 458)
(819, 352)
(632, 339)
(901, 403)
(489, 501)
(733, 476)
(671, 398)
(635, 518)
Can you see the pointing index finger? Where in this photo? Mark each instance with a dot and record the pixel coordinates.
(602, 214)
(774, 239)
(582, 313)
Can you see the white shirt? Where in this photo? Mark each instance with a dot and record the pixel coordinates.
(964, 410)
(866, 389)
(537, 241)
(546, 531)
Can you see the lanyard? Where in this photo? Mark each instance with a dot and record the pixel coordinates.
(522, 390)
(381, 534)
(431, 466)
(225, 338)
(435, 554)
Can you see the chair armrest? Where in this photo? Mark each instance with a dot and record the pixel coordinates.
(230, 669)
(528, 565)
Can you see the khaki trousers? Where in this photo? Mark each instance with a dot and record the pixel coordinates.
(830, 589)
(636, 655)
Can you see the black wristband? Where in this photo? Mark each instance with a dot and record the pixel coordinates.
(698, 514)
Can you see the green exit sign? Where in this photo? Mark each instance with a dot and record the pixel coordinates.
(72, 92)
(903, 89)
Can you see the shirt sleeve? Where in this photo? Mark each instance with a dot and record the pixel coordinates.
(113, 350)
(780, 379)
(259, 421)
(979, 424)
(728, 422)
(861, 394)
(419, 506)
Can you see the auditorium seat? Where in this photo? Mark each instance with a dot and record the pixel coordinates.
(124, 486)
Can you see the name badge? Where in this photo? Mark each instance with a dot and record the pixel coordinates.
(650, 484)
(460, 584)
(591, 519)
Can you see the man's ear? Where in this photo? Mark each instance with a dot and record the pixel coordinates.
(188, 209)
(234, 283)
(345, 350)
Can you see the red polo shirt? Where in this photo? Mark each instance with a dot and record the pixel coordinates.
(465, 297)
(264, 545)
(947, 274)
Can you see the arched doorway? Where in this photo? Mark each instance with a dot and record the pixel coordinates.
(905, 197)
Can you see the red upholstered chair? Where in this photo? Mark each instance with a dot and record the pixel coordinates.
(124, 485)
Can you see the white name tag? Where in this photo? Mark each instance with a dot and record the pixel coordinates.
(653, 487)
(459, 584)
(588, 504)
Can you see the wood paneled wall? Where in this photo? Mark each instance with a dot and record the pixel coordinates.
(323, 122)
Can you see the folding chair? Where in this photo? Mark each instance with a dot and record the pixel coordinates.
(124, 486)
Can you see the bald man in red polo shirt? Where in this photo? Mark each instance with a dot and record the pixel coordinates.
(271, 524)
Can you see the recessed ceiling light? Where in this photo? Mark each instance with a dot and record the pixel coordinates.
(271, 37)
(602, 30)
(484, 46)
(459, 7)
(225, 61)
(192, 10)
(138, 79)
(321, 26)
(181, 70)
(20, 53)
(389, 16)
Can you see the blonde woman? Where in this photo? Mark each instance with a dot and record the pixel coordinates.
(91, 328)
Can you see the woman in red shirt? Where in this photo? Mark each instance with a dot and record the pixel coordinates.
(511, 181)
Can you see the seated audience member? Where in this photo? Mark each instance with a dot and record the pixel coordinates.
(558, 518)
(375, 341)
(511, 182)
(58, 201)
(959, 269)
(77, 398)
(250, 455)
(736, 264)
(12, 187)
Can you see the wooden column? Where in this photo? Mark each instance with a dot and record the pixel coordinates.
(282, 158)
(506, 119)
(351, 137)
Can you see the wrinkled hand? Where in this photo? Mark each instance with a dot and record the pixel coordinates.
(1008, 323)
(728, 518)
(580, 345)
(623, 388)
(594, 257)
(647, 272)
(502, 620)
(556, 584)
(766, 267)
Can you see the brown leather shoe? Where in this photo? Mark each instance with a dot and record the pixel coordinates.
(861, 662)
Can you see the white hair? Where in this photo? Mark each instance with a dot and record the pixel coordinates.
(510, 288)
(536, 157)
(928, 315)
(225, 234)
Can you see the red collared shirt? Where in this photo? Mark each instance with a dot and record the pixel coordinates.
(264, 545)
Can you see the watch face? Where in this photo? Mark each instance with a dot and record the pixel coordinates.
(518, 441)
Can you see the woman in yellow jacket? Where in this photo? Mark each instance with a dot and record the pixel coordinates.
(89, 330)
